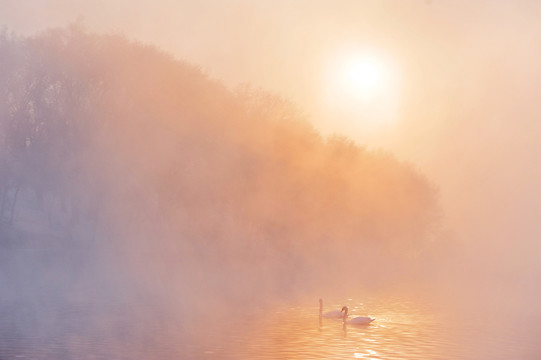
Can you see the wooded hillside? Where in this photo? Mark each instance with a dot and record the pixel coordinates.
(118, 142)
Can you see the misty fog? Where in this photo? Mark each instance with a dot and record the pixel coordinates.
(159, 183)
(131, 178)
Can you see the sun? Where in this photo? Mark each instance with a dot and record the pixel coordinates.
(362, 77)
(361, 90)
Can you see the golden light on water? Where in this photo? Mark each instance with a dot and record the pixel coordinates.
(367, 355)
(403, 328)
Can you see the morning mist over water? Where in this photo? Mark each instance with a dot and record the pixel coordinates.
(154, 210)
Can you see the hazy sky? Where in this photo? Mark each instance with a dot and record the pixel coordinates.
(461, 101)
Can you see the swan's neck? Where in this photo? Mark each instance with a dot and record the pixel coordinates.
(345, 310)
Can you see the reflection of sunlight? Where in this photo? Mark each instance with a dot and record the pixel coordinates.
(296, 333)
(367, 355)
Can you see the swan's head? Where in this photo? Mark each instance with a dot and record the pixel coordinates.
(344, 309)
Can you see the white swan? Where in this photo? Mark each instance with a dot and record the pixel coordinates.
(334, 314)
(359, 320)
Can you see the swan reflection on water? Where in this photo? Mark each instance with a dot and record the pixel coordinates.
(333, 314)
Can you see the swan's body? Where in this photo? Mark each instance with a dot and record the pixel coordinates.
(359, 320)
(333, 314)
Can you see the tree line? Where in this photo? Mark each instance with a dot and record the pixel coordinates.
(108, 136)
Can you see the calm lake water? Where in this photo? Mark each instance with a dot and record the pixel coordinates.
(404, 329)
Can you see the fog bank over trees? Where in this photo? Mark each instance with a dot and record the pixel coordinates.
(115, 151)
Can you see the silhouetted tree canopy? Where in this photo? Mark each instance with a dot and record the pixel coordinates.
(123, 140)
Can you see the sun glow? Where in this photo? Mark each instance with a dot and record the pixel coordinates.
(362, 90)
(362, 78)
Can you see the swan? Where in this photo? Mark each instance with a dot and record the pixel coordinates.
(359, 320)
(334, 314)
